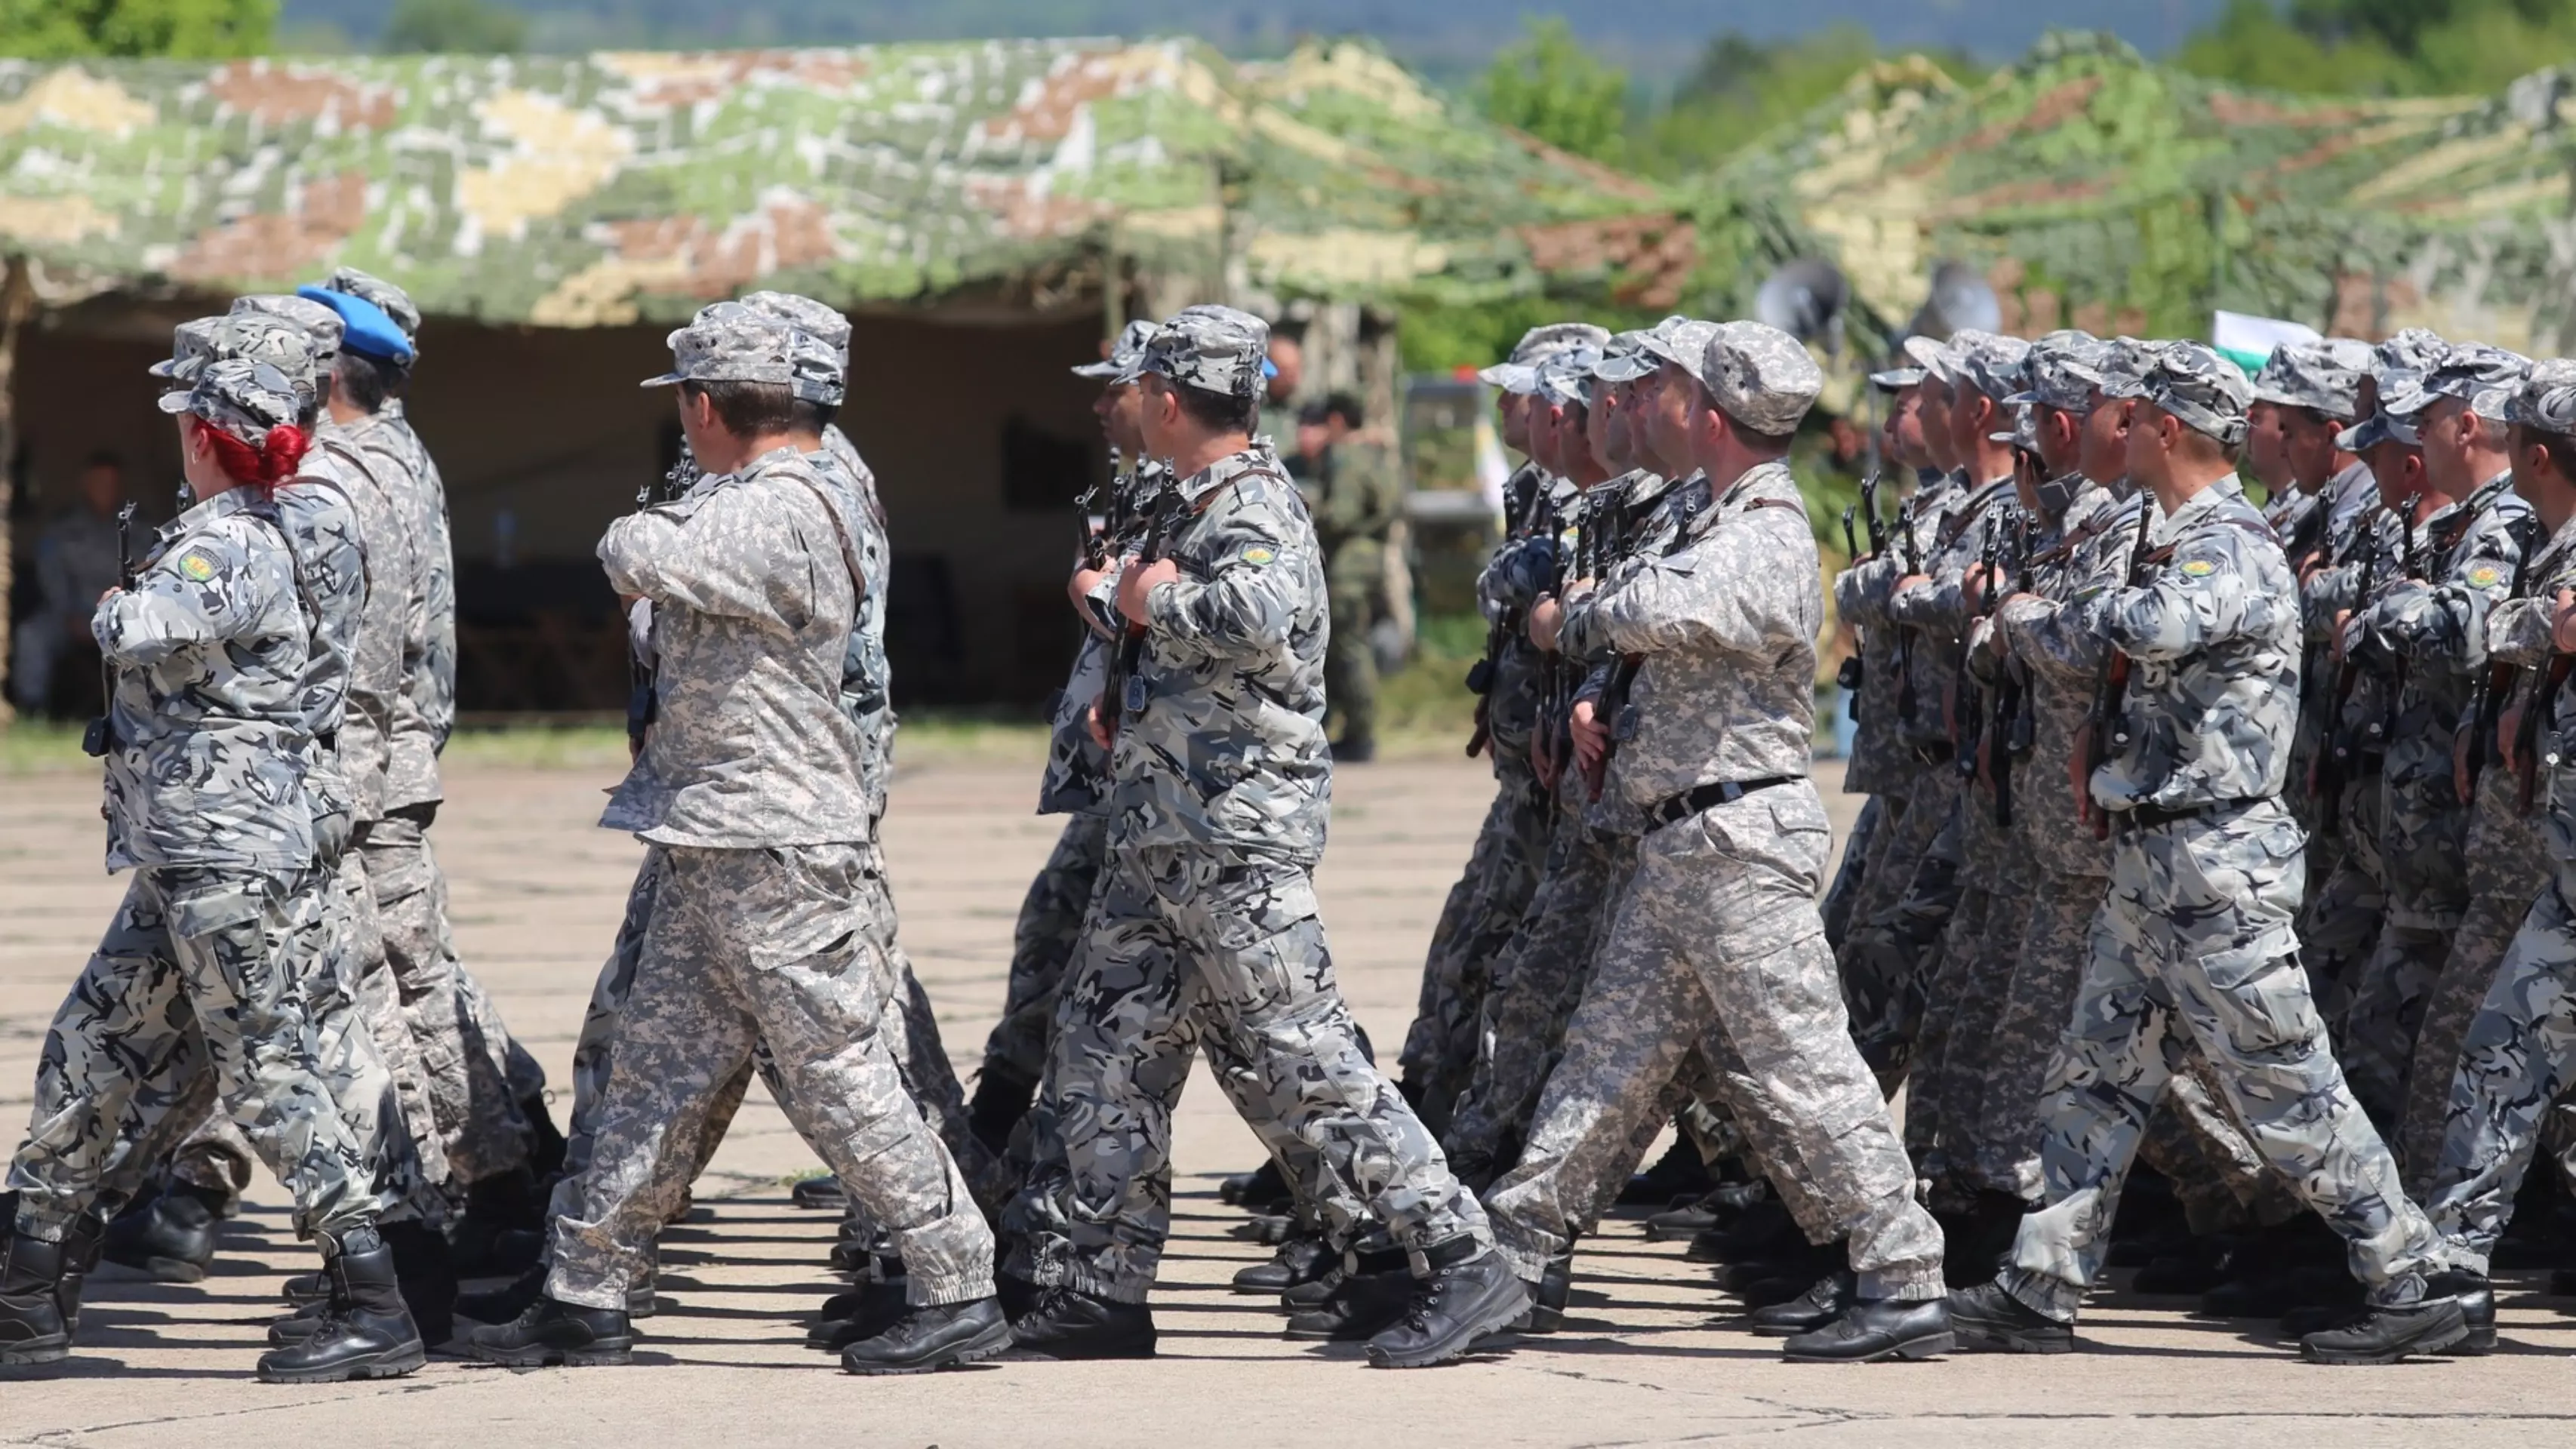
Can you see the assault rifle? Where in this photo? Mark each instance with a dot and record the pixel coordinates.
(2496, 685)
(1122, 692)
(100, 736)
(2410, 567)
(1967, 727)
(2010, 731)
(1092, 513)
(1906, 564)
(641, 706)
(1851, 672)
(1519, 523)
(2335, 751)
(1554, 735)
(2105, 725)
(1615, 713)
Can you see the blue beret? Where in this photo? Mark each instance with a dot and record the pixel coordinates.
(367, 332)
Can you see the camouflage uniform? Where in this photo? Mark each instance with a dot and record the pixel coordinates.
(2518, 1057)
(2196, 934)
(755, 933)
(1716, 943)
(1205, 925)
(1355, 497)
(476, 1075)
(206, 799)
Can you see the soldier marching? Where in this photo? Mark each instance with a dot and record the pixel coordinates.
(2213, 840)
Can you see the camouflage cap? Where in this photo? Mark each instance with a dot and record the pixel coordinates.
(243, 398)
(393, 301)
(1125, 354)
(1760, 376)
(2380, 427)
(1567, 377)
(1214, 349)
(2484, 377)
(2414, 350)
(1925, 353)
(319, 322)
(2025, 430)
(2546, 401)
(729, 342)
(1997, 366)
(1624, 358)
(1896, 379)
(2310, 375)
(191, 344)
(821, 354)
(2206, 391)
(1681, 341)
(258, 337)
(2064, 369)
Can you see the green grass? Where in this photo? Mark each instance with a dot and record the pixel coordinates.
(42, 747)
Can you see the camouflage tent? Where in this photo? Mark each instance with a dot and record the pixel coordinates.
(576, 190)
(2092, 188)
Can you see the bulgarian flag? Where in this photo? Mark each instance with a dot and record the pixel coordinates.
(2248, 341)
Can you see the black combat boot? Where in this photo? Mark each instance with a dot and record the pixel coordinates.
(1367, 1297)
(1986, 1319)
(1002, 1099)
(1980, 1237)
(546, 1144)
(934, 1336)
(2188, 1266)
(1470, 1293)
(1070, 1324)
(556, 1334)
(367, 1333)
(1548, 1298)
(1302, 1259)
(169, 1236)
(35, 1320)
(1829, 1299)
(1262, 1190)
(2390, 1335)
(862, 1313)
(1679, 1172)
(491, 1237)
(424, 1274)
(820, 1195)
(1876, 1329)
(501, 1305)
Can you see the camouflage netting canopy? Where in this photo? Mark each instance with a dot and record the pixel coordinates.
(611, 188)
(2094, 189)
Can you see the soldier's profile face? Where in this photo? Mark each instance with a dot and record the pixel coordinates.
(2398, 470)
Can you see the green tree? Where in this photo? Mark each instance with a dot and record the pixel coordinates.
(190, 29)
(1549, 85)
(2383, 47)
(455, 27)
(1741, 88)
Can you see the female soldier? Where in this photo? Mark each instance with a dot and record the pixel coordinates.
(204, 750)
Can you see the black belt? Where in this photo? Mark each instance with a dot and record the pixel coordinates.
(1726, 792)
(2148, 817)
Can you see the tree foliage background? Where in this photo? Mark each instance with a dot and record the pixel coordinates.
(190, 29)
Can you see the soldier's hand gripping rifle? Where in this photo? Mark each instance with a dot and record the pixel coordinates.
(2106, 729)
(2496, 685)
(100, 736)
(2337, 750)
(1122, 692)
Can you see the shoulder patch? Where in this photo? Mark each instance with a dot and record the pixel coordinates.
(1257, 553)
(2198, 568)
(2485, 576)
(197, 566)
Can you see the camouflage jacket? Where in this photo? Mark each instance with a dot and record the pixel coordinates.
(2436, 625)
(1936, 610)
(323, 535)
(2064, 664)
(753, 580)
(1228, 747)
(376, 651)
(426, 709)
(2214, 632)
(2518, 631)
(1077, 780)
(867, 674)
(209, 651)
(1355, 495)
(1725, 629)
(1522, 568)
(1644, 517)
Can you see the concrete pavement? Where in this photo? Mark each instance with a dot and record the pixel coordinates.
(1651, 1355)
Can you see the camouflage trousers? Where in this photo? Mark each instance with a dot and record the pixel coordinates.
(1999, 1120)
(2424, 854)
(2195, 942)
(1350, 656)
(1906, 902)
(1716, 946)
(2339, 924)
(2222, 1180)
(2508, 869)
(2517, 1062)
(1477, 923)
(1189, 947)
(1844, 894)
(746, 947)
(474, 1074)
(909, 1028)
(1042, 943)
(1964, 1007)
(197, 982)
(1537, 982)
